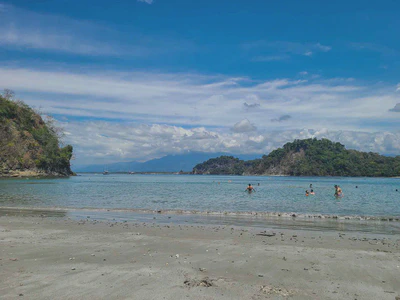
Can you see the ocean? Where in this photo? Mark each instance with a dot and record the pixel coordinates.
(374, 197)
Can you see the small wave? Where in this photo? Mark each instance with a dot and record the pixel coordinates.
(255, 214)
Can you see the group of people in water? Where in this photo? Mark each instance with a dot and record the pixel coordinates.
(338, 190)
(311, 192)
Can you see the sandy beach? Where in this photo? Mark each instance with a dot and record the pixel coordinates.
(60, 258)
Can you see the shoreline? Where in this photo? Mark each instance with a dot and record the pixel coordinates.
(257, 220)
(258, 214)
(49, 258)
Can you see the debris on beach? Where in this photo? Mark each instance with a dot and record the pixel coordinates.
(264, 233)
(205, 282)
(269, 290)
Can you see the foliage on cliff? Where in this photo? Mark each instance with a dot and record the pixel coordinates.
(28, 143)
(223, 165)
(310, 157)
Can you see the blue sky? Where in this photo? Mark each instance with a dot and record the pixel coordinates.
(135, 80)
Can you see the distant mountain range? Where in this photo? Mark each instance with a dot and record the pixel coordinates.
(169, 163)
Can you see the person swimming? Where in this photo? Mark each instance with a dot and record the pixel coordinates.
(312, 192)
(307, 193)
(250, 189)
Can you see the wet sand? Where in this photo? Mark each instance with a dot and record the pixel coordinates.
(58, 258)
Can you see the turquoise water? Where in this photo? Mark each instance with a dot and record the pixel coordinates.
(373, 197)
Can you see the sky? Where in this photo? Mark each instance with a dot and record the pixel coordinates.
(133, 80)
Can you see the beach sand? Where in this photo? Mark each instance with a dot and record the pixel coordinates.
(58, 258)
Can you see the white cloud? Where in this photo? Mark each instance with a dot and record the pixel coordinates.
(200, 102)
(53, 42)
(282, 50)
(192, 99)
(146, 1)
(25, 30)
(398, 87)
(243, 126)
(98, 142)
(303, 73)
(322, 47)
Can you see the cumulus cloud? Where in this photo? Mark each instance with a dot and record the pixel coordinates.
(146, 1)
(99, 141)
(282, 118)
(396, 108)
(398, 87)
(243, 126)
(201, 102)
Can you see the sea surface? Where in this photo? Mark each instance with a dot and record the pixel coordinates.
(362, 196)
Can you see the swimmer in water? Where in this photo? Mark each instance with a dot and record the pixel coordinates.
(312, 192)
(250, 189)
(307, 193)
(310, 186)
(338, 191)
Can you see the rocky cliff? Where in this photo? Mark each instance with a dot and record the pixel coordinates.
(29, 146)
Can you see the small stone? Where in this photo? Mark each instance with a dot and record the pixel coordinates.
(20, 295)
(260, 275)
(177, 255)
(73, 269)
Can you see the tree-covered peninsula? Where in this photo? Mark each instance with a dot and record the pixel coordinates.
(29, 146)
(309, 157)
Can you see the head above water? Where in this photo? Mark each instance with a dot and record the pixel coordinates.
(249, 184)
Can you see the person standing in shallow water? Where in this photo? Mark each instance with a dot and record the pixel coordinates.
(250, 188)
(338, 191)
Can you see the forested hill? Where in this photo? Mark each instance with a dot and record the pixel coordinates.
(28, 145)
(310, 157)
